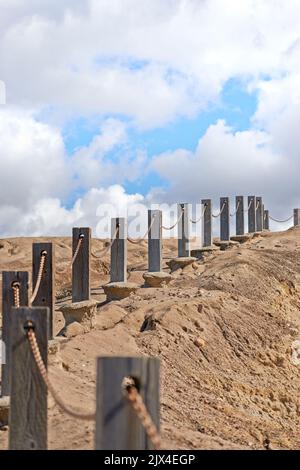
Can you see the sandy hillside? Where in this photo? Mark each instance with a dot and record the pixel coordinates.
(223, 330)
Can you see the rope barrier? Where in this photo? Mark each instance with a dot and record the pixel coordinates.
(218, 215)
(200, 218)
(16, 290)
(138, 405)
(281, 221)
(138, 241)
(39, 277)
(250, 204)
(43, 371)
(237, 208)
(80, 241)
(173, 226)
(107, 249)
(257, 205)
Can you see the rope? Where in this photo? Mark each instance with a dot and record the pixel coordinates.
(106, 250)
(257, 205)
(43, 371)
(218, 215)
(250, 204)
(138, 405)
(281, 221)
(16, 290)
(173, 226)
(200, 218)
(39, 276)
(136, 242)
(80, 241)
(237, 208)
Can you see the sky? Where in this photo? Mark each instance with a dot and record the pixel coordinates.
(129, 103)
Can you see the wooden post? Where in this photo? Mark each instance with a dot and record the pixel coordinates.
(183, 231)
(118, 262)
(81, 265)
(117, 425)
(8, 279)
(240, 219)
(46, 293)
(266, 220)
(207, 223)
(251, 214)
(155, 241)
(224, 219)
(259, 214)
(28, 402)
(296, 217)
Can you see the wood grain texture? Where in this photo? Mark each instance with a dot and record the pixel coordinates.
(207, 223)
(46, 293)
(117, 426)
(81, 267)
(8, 278)
(252, 214)
(118, 253)
(28, 402)
(296, 217)
(155, 241)
(240, 216)
(224, 219)
(184, 231)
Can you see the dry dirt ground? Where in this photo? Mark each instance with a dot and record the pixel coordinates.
(223, 329)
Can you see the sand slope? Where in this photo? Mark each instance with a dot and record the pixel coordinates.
(223, 330)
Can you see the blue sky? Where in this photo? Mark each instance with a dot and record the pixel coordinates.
(137, 101)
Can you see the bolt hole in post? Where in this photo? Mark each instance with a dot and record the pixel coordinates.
(29, 325)
(129, 382)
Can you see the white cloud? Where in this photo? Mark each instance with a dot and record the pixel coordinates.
(153, 61)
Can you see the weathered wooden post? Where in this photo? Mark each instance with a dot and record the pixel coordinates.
(118, 262)
(296, 217)
(224, 219)
(154, 241)
(183, 231)
(11, 283)
(266, 220)
(259, 214)
(240, 219)
(45, 295)
(28, 402)
(207, 223)
(117, 425)
(81, 265)
(251, 214)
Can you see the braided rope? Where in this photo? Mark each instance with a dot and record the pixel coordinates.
(138, 405)
(106, 250)
(138, 241)
(220, 212)
(39, 277)
(173, 226)
(281, 221)
(80, 241)
(250, 204)
(16, 291)
(237, 208)
(200, 218)
(43, 371)
(257, 205)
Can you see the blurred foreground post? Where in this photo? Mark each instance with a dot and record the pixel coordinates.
(28, 402)
(117, 425)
